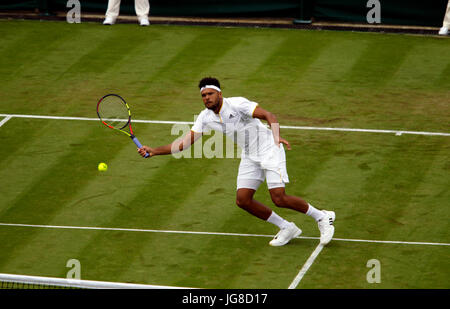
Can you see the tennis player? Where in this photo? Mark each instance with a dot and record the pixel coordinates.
(263, 158)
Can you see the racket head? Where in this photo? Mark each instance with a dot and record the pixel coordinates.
(114, 112)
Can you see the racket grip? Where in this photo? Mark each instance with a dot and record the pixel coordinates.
(138, 144)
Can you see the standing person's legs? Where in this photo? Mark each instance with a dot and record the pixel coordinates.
(446, 22)
(142, 8)
(112, 12)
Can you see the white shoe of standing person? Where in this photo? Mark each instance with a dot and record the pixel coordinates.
(109, 21)
(443, 31)
(144, 22)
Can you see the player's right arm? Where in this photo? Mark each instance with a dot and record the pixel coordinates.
(178, 145)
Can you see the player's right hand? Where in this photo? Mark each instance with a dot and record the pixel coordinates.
(145, 149)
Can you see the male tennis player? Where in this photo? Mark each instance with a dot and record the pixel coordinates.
(263, 158)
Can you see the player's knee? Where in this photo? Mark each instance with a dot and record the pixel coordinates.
(279, 200)
(242, 202)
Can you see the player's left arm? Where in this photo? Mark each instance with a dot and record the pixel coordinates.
(271, 119)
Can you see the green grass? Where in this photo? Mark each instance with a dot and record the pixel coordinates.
(382, 186)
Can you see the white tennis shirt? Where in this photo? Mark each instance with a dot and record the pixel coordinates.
(235, 119)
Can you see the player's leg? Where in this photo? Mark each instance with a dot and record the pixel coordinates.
(281, 199)
(277, 177)
(244, 199)
(324, 218)
(250, 176)
(249, 179)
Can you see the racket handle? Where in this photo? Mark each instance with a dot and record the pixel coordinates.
(136, 141)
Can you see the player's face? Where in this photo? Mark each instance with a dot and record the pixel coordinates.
(211, 98)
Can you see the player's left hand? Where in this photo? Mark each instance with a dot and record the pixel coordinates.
(282, 140)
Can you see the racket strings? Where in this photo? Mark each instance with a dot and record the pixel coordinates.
(114, 112)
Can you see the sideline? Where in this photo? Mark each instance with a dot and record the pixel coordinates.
(215, 233)
(396, 132)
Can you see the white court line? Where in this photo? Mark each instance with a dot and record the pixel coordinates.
(212, 233)
(396, 132)
(305, 267)
(5, 120)
(293, 284)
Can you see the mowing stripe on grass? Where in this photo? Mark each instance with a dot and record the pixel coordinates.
(214, 233)
(396, 132)
(366, 69)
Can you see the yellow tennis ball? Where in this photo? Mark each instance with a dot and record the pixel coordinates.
(102, 167)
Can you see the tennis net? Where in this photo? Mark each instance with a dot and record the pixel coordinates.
(11, 281)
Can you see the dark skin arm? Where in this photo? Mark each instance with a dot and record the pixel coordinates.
(178, 145)
(271, 119)
(187, 140)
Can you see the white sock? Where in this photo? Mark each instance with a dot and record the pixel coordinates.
(315, 213)
(277, 220)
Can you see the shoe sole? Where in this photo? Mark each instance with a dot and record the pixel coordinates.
(297, 233)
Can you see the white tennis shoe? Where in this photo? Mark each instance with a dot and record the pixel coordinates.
(443, 31)
(144, 22)
(109, 21)
(285, 235)
(326, 227)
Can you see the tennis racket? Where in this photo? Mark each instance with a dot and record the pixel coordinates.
(115, 113)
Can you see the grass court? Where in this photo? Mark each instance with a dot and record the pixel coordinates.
(383, 187)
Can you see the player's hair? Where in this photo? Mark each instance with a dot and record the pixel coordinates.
(208, 81)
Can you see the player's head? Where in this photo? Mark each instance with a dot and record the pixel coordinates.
(209, 81)
(211, 92)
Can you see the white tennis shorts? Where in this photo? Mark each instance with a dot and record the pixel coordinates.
(271, 168)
